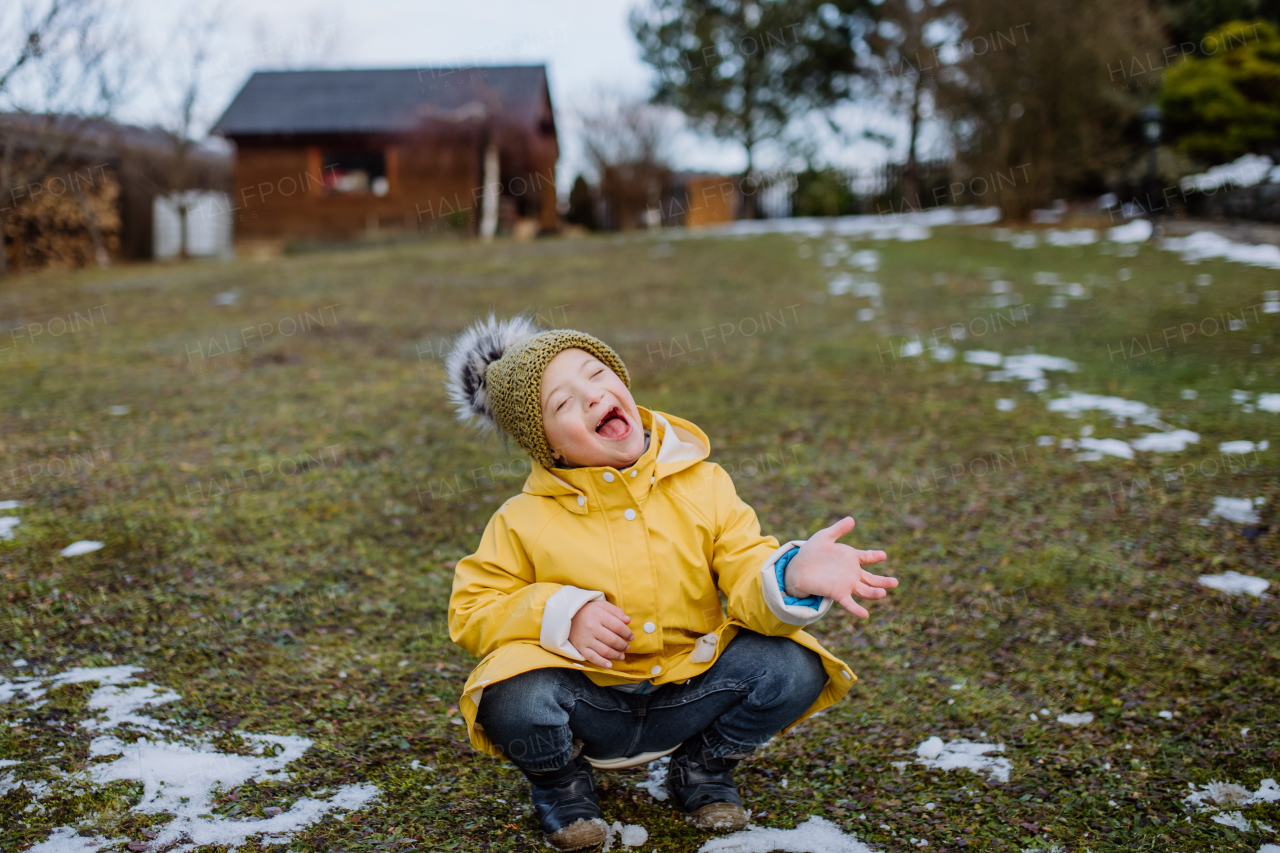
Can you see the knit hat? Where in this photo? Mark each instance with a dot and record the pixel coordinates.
(494, 376)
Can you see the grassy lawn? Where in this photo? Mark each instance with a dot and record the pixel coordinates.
(282, 493)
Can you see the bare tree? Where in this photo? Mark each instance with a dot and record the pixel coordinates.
(59, 73)
(625, 142)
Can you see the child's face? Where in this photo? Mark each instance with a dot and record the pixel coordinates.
(588, 414)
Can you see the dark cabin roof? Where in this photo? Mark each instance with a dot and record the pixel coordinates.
(383, 100)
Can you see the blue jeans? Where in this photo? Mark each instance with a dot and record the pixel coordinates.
(757, 687)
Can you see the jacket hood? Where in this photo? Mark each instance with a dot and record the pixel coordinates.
(674, 445)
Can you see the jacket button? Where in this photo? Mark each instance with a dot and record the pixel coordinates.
(608, 476)
(582, 501)
(655, 670)
(652, 480)
(630, 515)
(649, 627)
(633, 473)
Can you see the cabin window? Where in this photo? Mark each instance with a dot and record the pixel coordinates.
(355, 173)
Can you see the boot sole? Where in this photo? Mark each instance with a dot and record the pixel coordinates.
(719, 817)
(579, 835)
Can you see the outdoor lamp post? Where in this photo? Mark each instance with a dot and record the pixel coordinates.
(1150, 118)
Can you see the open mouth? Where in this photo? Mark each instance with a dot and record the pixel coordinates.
(614, 425)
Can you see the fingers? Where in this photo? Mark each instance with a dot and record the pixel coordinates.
(867, 557)
(595, 659)
(605, 637)
(615, 625)
(870, 593)
(853, 607)
(614, 611)
(835, 531)
(882, 581)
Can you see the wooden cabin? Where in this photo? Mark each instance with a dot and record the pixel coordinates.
(334, 155)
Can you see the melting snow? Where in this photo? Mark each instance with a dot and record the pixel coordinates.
(1225, 794)
(1269, 402)
(179, 776)
(1006, 405)
(1238, 447)
(7, 523)
(963, 754)
(1096, 448)
(1204, 245)
(902, 226)
(982, 356)
(1166, 442)
(1078, 402)
(1243, 172)
(1071, 237)
(1076, 719)
(1239, 510)
(630, 835)
(1236, 583)
(1137, 231)
(10, 504)
(816, 835)
(656, 784)
(84, 546)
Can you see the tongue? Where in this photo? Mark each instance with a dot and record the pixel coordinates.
(614, 428)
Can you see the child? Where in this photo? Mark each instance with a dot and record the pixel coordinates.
(594, 600)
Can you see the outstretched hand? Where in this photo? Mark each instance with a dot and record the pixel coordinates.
(827, 568)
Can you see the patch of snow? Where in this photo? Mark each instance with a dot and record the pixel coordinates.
(10, 504)
(84, 546)
(629, 835)
(867, 259)
(1236, 583)
(901, 226)
(656, 783)
(1078, 402)
(1205, 245)
(229, 297)
(1165, 715)
(816, 835)
(179, 777)
(943, 352)
(1189, 394)
(984, 357)
(840, 284)
(1106, 447)
(1006, 405)
(1136, 231)
(1269, 402)
(966, 755)
(118, 411)
(1071, 237)
(1076, 719)
(911, 349)
(1223, 794)
(1239, 510)
(1237, 447)
(7, 523)
(1245, 171)
(1166, 442)
(65, 839)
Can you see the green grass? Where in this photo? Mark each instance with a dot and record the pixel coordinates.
(282, 515)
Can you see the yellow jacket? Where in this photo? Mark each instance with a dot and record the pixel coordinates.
(662, 540)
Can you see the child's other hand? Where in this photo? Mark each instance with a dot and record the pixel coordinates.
(599, 631)
(825, 567)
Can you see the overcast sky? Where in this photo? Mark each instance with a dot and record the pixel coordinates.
(586, 45)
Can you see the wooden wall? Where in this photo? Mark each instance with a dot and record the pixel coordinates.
(435, 186)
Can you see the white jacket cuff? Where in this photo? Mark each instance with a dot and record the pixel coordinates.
(557, 618)
(792, 614)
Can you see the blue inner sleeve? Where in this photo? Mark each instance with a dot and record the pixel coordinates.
(780, 570)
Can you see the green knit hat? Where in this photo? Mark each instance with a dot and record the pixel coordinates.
(495, 376)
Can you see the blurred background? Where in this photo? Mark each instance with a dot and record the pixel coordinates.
(148, 130)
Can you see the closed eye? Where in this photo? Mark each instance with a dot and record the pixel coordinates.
(562, 402)
(597, 373)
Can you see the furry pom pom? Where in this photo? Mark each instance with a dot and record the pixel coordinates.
(465, 368)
